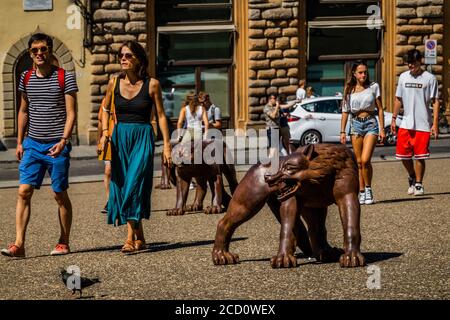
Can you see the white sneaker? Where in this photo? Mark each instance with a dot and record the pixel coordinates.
(412, 182)
(418, 190)
(192, 185)
(369, 196)
(362, 197)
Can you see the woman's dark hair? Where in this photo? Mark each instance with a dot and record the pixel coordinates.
(40, 37)
(351, 84)
(139, 51)
(412, 56)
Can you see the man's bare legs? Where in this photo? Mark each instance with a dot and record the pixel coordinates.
(65, 215)
(23, 211)
(416, 169)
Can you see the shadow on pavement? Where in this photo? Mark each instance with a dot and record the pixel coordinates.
(179, 245)
(404, 199)
(438, 193)
(372, 257)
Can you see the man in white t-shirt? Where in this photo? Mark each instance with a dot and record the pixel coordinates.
(416, 91)
(301, 92)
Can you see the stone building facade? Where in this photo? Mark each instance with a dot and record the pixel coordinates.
(115, 22)
(268, 43)
(273, 52)
(418, 21)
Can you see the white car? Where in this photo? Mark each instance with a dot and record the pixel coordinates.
(318, 120)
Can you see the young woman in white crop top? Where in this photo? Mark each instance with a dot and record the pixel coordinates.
(193, 112)
(363, 100)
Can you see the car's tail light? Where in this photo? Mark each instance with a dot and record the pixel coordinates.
(292, 118)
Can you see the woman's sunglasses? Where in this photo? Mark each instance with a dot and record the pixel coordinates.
(127, 55)
(43, 49)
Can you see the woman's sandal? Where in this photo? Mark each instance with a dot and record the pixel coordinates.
(128, 247)
(139, 245)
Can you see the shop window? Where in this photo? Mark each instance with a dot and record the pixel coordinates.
(195, 41)
(190, 11)
(338, 35)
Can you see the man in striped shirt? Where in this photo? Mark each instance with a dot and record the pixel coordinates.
(47, 115)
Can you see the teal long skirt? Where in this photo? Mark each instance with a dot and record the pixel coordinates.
(132, 146)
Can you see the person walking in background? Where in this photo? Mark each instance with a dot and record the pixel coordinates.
(47, 113)
(310, 93)
(417, 90)
(285, 133)
(272, 114)
(301, 92)
(135, 94)
(212, 111)
(194, 114)
(362, 99)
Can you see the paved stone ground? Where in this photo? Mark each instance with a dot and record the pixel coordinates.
(407, 237)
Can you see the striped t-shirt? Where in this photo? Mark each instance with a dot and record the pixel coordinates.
(46, 104)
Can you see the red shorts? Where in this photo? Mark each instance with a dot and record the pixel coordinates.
(412, 143)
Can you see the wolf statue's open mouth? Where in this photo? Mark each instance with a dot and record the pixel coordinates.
(288, 188)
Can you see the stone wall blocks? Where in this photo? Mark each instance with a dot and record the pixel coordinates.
(257, 55)
(285, 63)
(137, 7)
(266, 74)
(282, 43)
(405, 13)
(110, 4)
(291, 53)
(259, 83)
(257, 24)
(414, 29)
(278, 14)
(281, 73)
(430, 11)
(258, 44)
(272, 33)
(259, 64)
(99, 59)
(113, 27)
(274, 54)
(290, 32)
(292, 72)
(257, 92)
(287, 90)
(103, 15)
(254, 14)
(279, 82)
(136, 27)
(100, 79)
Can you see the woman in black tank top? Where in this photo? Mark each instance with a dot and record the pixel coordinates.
(132, 143)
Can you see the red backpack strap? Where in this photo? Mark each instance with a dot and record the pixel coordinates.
(27, 77)
(61, 78)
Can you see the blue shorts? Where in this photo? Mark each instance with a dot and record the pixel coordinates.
(361, 128)
(36, 162)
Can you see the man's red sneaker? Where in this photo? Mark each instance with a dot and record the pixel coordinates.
(60, 249)
(14, 251)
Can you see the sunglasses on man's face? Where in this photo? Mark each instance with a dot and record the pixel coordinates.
(127, 55)
(43, 49)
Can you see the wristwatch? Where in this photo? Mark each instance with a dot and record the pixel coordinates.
(66, 140)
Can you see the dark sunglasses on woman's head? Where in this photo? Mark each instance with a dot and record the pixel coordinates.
(43, 49)
(127, 55)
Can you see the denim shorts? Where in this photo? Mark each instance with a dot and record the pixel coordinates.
(361, 128)
(36, 162)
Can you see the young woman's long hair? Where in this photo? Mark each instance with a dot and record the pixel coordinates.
(138, 50)
(351, 84)
(192, 101)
